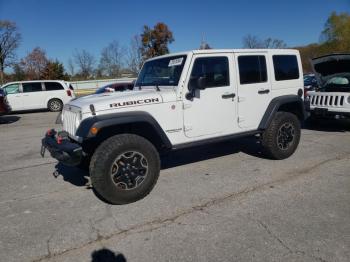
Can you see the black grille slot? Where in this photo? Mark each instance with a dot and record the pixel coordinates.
(321, 100)
(326, 100)
(331, 101)
(342, 100)
(317, 98)
(336, 101)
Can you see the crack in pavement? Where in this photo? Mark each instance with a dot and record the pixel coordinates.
(163, 222)
(283, 244)
(25, 167)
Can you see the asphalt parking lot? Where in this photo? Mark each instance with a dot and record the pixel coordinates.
(222, 202)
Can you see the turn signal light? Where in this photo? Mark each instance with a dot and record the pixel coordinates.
(93, 130)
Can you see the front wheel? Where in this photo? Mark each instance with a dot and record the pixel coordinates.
(124, 168)
(281, 138)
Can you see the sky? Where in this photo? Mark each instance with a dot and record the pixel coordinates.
(60, 27)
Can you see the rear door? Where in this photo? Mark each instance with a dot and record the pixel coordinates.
(254, 88)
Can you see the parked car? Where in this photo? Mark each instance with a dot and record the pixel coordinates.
(29, 95)
(4, 106)
(116, 87)
(332, 98)
(310, 83)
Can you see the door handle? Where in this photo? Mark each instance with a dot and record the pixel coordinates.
(264, 91)
(226, 96)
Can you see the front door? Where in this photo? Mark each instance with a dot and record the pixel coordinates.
(33, 95)
(254, 89)
(14, 96)
(211, 110)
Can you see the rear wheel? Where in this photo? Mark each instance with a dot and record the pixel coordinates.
(55, 105)
(124, 168)
(281, 138)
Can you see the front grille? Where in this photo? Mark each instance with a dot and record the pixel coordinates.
(69, 119)
(326, 100)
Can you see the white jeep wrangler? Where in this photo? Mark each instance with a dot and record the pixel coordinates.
(181, 100)
(332, 99)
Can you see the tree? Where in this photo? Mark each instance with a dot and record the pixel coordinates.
(34, 64)
(9, 41)
(252, 41)
(71, 68)
(155, 41)
(336, 32)
(134, 56)
(18, 72)
(111, 60)
(85, 62)
(54, 70)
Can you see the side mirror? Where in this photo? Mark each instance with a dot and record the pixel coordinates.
(201, 83)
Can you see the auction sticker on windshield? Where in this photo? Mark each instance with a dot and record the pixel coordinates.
(175, 62)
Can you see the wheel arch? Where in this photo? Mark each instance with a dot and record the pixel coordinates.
(289, 103)
(138, 123)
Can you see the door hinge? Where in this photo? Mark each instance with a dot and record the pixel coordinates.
(185, 106)
(241, 99)
(187, 128)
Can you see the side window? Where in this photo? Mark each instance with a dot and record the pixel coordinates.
(31, 87)
(53, 86)
(286, 67)
(12, 89)
(214, 70)
(252, 69)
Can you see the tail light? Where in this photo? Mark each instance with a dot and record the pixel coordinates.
(69, 93)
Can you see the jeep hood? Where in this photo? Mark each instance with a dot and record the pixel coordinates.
(113, 100)
(326, 67)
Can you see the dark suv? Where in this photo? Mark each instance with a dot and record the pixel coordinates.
(4, 106)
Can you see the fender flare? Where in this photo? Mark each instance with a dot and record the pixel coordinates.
(276, 103)
(107, 120)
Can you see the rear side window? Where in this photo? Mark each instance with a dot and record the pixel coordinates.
(31, 87)
(252, 69)
(286, 67)
(52, 86)
(215, 70)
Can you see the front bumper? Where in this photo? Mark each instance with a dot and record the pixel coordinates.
(62, 148)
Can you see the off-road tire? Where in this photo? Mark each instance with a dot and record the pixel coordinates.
(104, 158)
(55, 105)
(270, 136)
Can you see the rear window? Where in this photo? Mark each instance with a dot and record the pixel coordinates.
(252, 69)
(52, 86)
(286, 67)
(31, 87)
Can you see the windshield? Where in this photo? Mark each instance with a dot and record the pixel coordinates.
(161, 72)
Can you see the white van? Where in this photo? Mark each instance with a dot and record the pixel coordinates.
(29, 95)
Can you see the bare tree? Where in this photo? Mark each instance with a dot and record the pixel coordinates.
(274, 43)
(35, 63)
(134, 56)
(85, 62)
(71, 68)
(111, 60)
(9, 41)
(252, 41)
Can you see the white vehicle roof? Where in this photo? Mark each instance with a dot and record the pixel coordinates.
(218, 51)
(34, 81)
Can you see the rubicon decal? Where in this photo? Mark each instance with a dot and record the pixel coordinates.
(135, 102)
